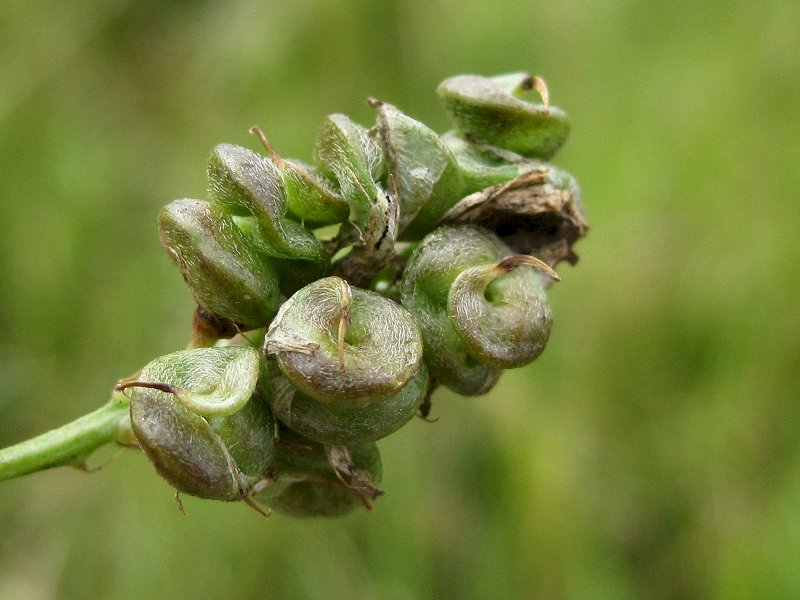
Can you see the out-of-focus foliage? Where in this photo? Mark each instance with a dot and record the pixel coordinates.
(652, 451)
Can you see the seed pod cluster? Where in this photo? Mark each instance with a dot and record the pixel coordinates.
(306, 350)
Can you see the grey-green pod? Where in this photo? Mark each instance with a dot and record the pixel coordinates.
(225, 270)
(306, 484)
(220, 458)
(489, 110)
(339, 343)
(478, 310)
(344, 423)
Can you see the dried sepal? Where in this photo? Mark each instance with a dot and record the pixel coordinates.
(208, 328)
(539, 212)
(312, 480)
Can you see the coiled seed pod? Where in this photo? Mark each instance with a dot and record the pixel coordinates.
(477, 312)
(243, 183)
(500, 311)
(337, 343)
(310, 197)
(225, 271)
(348, 153)
(220, 458)
(343, 423)
(486, 109)
(479, 168)
(422, 170)
(312, 480)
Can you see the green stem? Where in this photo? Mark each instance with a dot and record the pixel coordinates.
(69, 444)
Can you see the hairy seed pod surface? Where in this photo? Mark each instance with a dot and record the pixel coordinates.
(338, 343)
(500, 311)
(488, 110)
(424, 290)
(421, 169)
(478, 306)
(311, 197)
(219, 458)
(223, 268)
(244, 183)
(479, 169)
(344, 423)
(349, 154)
(308, 486)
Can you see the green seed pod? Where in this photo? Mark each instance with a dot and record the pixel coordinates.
(292, 274)
(344, 423)
(500, 311)
(539, 212)
(487, 110)
(312, 480)
(220, 458)
(342, 344)
(479, 169)
(422, 170)
(243, 183)
(310, 197)
(224, 270)
(478, 312)
(348, 153)
(424, 288)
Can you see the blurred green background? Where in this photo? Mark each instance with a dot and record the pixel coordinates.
(652, 452)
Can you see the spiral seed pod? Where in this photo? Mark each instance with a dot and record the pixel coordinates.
(344, 423)
(424, 288)
(422, 170)
(487, 110)
(292, 274)
(348, 153)
(342, 344)
(243, 183)
(224, 270)
(310, 197)
(312, 480)
(479, 168)
(477, 310)
(220, 458)
(500, 311)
